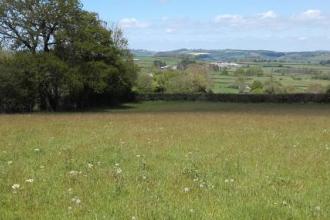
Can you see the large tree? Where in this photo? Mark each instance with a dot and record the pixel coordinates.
(33, 24)
(74, 58)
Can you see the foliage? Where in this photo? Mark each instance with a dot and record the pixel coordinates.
(273, 87)
(327, 90)
(144, 83)
(194, 79)
(254, 71)
(315, 88)
(239, 72)
(75, 61)
(257, 87)
(159, 63)
(185, 62)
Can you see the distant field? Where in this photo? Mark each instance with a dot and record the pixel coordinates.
(295, 78)
(168, 160)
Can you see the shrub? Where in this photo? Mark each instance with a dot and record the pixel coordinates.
(254, 71)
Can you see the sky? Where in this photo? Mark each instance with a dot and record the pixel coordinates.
(160, 25)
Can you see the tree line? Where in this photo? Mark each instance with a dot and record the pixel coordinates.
(56, 56)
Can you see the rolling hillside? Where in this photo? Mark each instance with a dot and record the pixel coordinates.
(240, 55)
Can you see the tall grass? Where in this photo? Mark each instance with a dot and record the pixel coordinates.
(168, 161)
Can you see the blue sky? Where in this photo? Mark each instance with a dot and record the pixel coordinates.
(282, 25)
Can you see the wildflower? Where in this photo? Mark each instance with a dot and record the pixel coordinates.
(284, 203)
(70, 208)
(37, 150)
(29, 180)
(10, 162)
(42, 167)
(70, 190)
(76, 200)
(73, 173)
(138, 156)
(134, 218)
(144, 177)
(318, 208)
(90, 166)
(232, 180)
(15, 186)
(226, 180)
(119, 170)
(192, 211)
(186, 189)
(201, 185)
(196, 180)
(117, 164)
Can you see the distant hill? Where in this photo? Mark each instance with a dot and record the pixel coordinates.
(143, 53)
(240, 55)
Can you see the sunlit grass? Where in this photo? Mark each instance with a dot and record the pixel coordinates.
(168, 161)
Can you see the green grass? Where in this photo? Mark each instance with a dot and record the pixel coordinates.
(168, 160)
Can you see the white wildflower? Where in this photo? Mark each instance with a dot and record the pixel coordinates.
(226, 180)
(119, 170)
(186, 189)
(318, 208)
(29, 180)
(37, 150)
(192, 210)
(76, 200)
(138, 156)
(10, 162)
(90, 166)
(15, 186)
(73, 173)
(134, 218)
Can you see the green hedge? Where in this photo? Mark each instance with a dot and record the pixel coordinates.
(240, 98)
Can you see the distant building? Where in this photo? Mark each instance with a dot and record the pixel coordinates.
(225, 64)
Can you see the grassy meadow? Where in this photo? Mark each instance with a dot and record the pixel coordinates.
(168, 160)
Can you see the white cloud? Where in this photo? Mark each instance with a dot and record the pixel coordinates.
(311, 14)
(126, 23)
(170, 30)
(268, 15)
(234, 20)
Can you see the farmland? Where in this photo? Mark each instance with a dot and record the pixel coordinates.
(168, 160)
(300, 76)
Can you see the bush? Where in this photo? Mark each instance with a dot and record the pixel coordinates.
(315, 88)
(144, 83)
(273, 87)
(254, 71)
(257, 87)
(327, 90)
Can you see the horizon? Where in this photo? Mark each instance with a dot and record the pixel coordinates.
(165, 25)
(194, 49)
